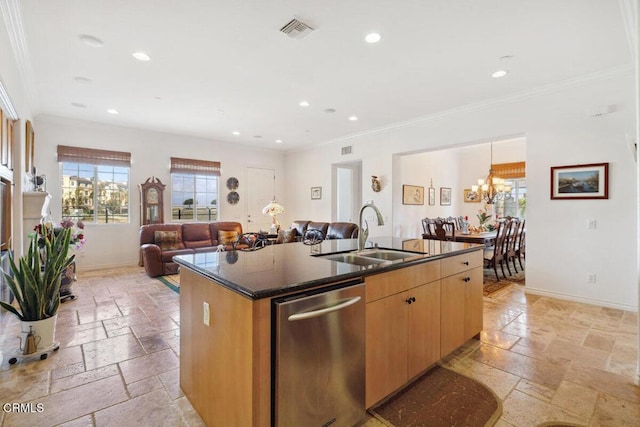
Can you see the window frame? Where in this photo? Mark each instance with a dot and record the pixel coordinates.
(194, 196)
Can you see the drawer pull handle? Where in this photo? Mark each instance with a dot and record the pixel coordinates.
(467, 279)
(410, 300)
(466, 262)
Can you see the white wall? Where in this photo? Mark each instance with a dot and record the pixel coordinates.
(558, 132)
(117, 244)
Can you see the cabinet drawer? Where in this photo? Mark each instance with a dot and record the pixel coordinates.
(393, 282)
(458, 263)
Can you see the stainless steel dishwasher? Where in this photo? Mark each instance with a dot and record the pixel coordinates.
(319, 357)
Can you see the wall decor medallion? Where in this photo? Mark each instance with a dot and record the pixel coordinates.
(233, 197)
(580, 181)
(232, 183)
(412, 195)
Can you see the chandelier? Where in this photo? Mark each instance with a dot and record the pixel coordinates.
(492, 188)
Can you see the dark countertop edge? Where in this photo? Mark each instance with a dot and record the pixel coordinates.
(269, 293)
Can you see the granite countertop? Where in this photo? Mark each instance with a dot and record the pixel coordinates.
(290, 267)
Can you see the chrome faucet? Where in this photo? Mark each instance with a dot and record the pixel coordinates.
(364, 228)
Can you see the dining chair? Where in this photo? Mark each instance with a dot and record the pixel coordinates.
(510, 244)
(521, 246)
(428, 228)
(445, 230)
(496, 254)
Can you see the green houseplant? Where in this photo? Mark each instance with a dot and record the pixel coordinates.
(35, 280)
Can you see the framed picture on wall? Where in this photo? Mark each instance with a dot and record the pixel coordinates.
(316, 193)
(412, 195)
(471, 196)
(432, 196)
(445, 196)
(580, 181)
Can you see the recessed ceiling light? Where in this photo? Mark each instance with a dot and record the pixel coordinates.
(79, 105)
(279, 141)
(304, 104)
(112, 111)
(499, 73)
(141, 56)
(81, 79)
(257, 136)
(372, 38)
(330, 110)
(91, 40)
(235, 132)
(353, 118)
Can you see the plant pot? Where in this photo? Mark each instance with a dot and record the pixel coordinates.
(45, 329)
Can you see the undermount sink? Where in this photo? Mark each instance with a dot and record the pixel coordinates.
(387, 254)
(370, 256)
(351, 258)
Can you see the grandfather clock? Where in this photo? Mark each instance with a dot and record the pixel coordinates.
(152, 209)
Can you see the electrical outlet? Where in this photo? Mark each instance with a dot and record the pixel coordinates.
(592, 224)
(207, 313)
(591, 278)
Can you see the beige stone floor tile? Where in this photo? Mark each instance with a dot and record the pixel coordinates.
(154, 327)
(567, 350)
(500, 382)
(145, 366)
(124, 321)
(102, 312)
(599, 340)
(25, 388)
(82, 378)
(71, 337)
(144, 386)
(538, 391)
(605, 382)
(623, 360)
(498, 338)
(189, 415)
(151, 409)
(614, 412)
(67, 370)
(153, 343)
(575, 398)
(73, 403)
(111, 350)
(538, 371)
(171, 382)
(86, 421)
(523, 410)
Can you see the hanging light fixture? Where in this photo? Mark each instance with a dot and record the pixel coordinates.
(492, 187)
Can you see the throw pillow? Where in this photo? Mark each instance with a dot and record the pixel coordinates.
(286, 236)
(227, 237)
(167, 240)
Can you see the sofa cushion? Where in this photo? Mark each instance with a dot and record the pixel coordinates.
(196, 235)
(286, 236)
(167, 240)
(342, 230)
(300, 226)
(322, 226)
(227, 237)
(167, 256)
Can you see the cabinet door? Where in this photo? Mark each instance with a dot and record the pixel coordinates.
(473, 303)
(386, 347)
(423, 328)
(452, 299)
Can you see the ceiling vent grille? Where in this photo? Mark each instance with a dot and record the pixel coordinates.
(296, 29)
(346, 150)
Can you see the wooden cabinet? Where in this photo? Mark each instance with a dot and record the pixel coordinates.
(461, 297)
(402, 327)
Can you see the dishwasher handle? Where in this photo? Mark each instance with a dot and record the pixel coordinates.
(323, 311)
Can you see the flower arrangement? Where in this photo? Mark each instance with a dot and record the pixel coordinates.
(76, 239)
(483, 217)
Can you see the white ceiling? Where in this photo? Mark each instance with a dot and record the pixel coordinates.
(220, 66)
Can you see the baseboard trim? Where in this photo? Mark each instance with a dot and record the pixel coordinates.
(87, 268)
(534, 291)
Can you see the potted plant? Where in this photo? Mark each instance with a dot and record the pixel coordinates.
(35, 283)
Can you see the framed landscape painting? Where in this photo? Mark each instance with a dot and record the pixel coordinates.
(580, 181)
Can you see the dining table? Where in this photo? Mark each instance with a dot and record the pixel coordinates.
(486, 238)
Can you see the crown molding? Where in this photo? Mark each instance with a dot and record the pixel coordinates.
(12, 16)
(629, 11)
(518, 96)
(6, 101)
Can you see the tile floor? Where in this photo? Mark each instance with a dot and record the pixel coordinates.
(546, 359)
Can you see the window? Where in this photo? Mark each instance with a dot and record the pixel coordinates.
(95, 185)
(194, 190)
(515, 203)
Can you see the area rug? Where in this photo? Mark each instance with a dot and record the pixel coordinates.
(491, 284)
(171, 281)
(441, 397)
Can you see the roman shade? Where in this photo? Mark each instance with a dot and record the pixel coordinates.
(93, 156)
(509, 170)
(196, 167)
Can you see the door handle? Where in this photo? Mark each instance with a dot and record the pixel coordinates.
(323, 311)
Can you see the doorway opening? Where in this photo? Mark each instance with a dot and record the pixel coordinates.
(347, 191)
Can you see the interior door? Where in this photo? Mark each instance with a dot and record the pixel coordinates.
(347, 191)
(260, 191)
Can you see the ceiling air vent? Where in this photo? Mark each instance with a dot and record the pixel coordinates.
(346, 150)
(296, 29)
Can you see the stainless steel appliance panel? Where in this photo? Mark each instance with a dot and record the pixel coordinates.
(319, 361)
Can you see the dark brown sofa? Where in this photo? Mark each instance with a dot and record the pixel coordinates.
(331, 230)
(159, 243)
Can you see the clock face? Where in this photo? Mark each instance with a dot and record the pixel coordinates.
(152, 196)
(232, 183)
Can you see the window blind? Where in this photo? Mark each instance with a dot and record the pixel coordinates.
(509, 170)
(197, 167)
(93, 156)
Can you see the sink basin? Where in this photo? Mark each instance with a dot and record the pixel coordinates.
(351, 258)
(386, 254)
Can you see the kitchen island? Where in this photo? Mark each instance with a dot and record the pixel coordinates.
(419, 308)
